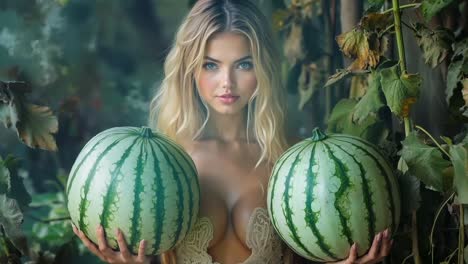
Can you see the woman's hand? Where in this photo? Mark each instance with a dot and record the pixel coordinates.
(378, 251)
(106, 254)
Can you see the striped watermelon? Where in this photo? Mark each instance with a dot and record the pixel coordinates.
(329, 191)
(136, 180)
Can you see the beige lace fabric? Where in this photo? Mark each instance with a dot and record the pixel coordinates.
(261, 239)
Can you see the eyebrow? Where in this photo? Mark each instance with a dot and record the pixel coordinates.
(241, 59)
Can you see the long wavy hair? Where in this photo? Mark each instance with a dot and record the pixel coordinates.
(178, 111)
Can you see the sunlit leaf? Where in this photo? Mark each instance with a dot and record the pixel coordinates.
(11, 219)
(459, 157)
(361, 46)
(33, 124)
(424, 162)
(431, 7)
(371, 102)
(36, 127)
(435, 44)
(400, 91)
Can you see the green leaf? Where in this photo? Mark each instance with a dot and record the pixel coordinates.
(454, 75)
(459, 156)
(374, 6)
(431, 7)
(410, 193)
(424, 162)
(341, 121)
(435, 44)
(4, 178)
(11, 219)
(400, 91)
(18, 190)
(371, 102)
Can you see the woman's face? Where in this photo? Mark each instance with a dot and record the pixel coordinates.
(227, 79)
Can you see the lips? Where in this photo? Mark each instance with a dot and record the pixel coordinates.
(228, 98)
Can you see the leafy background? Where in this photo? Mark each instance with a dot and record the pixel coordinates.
(70, 69)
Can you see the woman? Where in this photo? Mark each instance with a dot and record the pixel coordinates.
(222, 100)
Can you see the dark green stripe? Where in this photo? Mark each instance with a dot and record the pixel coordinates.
(341, 198)
(105, 134)
(159, 210)
(287, 212)
(78, 167)
(381, 168)
(84, 203)
(311, 217)
(180, 193)
(367, 198)
(139, 189)
(112, 197)
(274, 178)
(193, 172)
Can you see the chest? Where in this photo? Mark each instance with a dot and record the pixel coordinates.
(231, 188)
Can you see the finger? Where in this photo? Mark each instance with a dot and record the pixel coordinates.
(102, 242)
(352, 254)
(125, 253)
(141, 251)
(386, 244)
(375, 248)
(90, 245)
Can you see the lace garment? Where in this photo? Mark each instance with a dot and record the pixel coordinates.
(261, 239)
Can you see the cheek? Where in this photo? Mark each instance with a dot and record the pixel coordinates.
(206, 84)
(249, 82)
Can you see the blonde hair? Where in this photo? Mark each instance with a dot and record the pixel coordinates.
(178, 111)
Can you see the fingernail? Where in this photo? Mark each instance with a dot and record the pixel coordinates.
(379, 236)
(118, 232)
(385, 233)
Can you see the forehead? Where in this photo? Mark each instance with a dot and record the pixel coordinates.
(227, 45)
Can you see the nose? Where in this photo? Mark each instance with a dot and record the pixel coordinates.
(228, 79)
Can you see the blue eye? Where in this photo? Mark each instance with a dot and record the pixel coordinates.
(246, 65)
(210, 66)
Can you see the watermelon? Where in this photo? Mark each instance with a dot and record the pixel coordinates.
(329, 191)
(138, 181)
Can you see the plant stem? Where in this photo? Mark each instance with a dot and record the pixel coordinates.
(414, 237)
(399, 35)
(407, 121)
(433, 139)
(416, 5)
(431, 237)
(461, 236)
